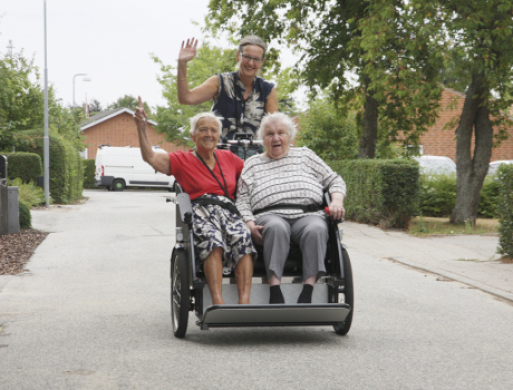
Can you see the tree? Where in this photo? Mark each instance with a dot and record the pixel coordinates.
(210, 60)
(481, 34)
(129, 101)
(331, 136)
(20, 98)
(384, 42)
(22, 106)
(95, 107)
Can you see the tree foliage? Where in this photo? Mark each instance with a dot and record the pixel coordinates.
(331, 136)
(95, 107)
(334, 135)
(384, 42)
(129, 101)
(480, 34)
(22, 106)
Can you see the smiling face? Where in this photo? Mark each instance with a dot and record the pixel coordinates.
(250, 60)
(207, 133)
(276, 140)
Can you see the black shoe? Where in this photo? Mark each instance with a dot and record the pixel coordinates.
(276, 296)
(306, 294)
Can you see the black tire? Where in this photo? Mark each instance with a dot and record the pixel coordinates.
(118, 185)
(348, 296)
(180, 293)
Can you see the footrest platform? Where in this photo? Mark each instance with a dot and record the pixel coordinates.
(274, 315)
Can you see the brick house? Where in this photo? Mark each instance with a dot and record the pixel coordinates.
(117, 128)
(439, 142)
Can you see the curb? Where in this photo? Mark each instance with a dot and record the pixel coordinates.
(457, 278)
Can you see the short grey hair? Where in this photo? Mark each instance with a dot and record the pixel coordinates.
(254, 41)
(195, 119)
(277, 117)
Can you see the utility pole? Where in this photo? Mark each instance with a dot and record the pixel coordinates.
(10, 47)
(46, 143)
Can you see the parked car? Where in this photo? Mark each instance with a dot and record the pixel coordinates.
(436, 165)
(492, 170)
(118, 168)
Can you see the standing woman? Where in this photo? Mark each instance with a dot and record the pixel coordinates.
(242, 97)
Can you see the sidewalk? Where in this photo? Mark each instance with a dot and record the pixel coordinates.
(469, 259)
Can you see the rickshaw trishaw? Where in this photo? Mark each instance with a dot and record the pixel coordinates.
(332, 300)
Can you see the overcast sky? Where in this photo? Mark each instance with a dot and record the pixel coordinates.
(110, 40)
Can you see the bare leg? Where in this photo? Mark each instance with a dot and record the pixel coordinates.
(311, 280)
(274, 281)
(213, 268)
(243, 275)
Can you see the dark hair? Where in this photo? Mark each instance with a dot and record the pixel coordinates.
(253, 40)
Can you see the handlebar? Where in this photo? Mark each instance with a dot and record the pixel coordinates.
(241, 142)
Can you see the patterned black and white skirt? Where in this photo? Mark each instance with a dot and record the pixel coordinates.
(215, 226)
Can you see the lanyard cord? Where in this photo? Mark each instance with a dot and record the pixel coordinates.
(225, 187)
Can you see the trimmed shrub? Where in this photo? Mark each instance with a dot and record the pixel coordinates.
(380, 192)
(505, 210)
(489, 198)
(89, 166)
(25, 216)
(437, 195)
(66, 169)
(26, 166)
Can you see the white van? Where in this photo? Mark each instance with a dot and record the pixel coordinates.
(436, 165)
(118, 168)
(492, 169)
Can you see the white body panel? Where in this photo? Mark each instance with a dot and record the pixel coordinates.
(114, 164)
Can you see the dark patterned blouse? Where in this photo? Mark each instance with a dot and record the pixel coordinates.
(239, 115)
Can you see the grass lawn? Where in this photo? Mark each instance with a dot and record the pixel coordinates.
(422, 226)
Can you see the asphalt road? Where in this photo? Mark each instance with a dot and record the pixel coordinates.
(92, 312)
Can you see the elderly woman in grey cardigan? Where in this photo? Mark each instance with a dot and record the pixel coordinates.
(279, 195)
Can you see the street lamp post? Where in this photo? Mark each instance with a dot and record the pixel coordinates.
(46, 140)
(84, 79)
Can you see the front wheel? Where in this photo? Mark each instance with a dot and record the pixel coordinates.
(180, 293)
(348, 295)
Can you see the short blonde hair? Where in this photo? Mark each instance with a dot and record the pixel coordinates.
(274, 118)
(195, 119)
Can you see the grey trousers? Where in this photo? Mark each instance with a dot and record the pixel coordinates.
(309, 232)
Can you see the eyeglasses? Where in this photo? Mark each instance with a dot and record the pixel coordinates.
(248, 58)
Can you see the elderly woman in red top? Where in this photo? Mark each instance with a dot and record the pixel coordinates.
(222, 240)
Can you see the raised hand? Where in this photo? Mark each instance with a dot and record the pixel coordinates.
(140, 116)
(188, 50)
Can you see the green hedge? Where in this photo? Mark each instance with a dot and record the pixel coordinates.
(66, 169)
(25, 216)
(437, 196)
(505, 209)
(26, 166)
(89, 173)
(380, 192)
